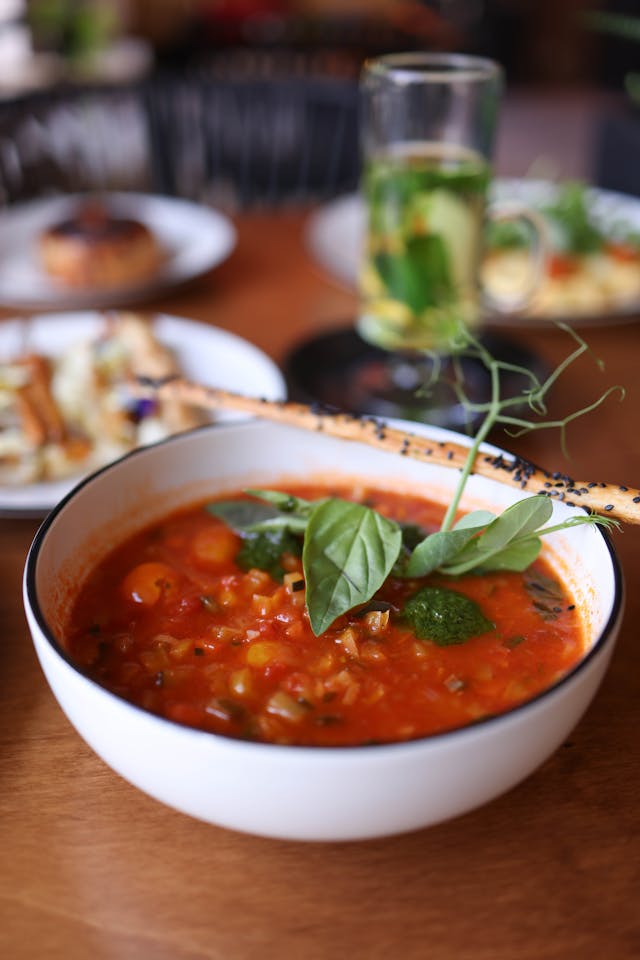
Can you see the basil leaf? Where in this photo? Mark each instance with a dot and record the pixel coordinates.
(285, 502)
(242, 515)
(519, 521)
(245, 516)
(517, 556)
(445, 616)
(476, 519)
(437, 550)
(349, 550)
(441, 547)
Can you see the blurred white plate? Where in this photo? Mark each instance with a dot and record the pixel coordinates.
(204, 353)
(194, 239)
(335, 232)
(334, 236)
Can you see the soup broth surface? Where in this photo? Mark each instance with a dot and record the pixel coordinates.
(173, 623)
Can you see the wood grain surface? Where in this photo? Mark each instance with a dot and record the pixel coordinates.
(92, 868)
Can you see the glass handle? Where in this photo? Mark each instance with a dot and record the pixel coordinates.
(518, 300)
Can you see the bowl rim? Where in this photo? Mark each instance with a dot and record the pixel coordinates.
(456, 733)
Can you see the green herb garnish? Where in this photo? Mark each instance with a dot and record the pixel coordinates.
(268, 530)
(572, 227)
(349, 549)
(507, 235)
(445, 616)
(420, 275)
(264, 550)
(576, 231)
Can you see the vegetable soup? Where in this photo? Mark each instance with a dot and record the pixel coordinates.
(209, 628)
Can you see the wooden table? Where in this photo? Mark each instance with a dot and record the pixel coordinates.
(91, 868)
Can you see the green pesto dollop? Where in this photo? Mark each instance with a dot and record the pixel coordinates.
(445, 616)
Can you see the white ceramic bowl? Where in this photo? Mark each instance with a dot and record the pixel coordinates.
(283, 791)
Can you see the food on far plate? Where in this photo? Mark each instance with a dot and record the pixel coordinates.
(590, 268)
(96, 248)
(65, 414)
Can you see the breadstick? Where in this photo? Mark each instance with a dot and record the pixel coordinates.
(612, 500)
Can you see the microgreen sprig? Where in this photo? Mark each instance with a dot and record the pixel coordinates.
(495, 411)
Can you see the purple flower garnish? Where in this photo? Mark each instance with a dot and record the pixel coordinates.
(143, 407)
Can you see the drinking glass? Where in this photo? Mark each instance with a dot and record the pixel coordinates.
(428, 128)
(428, 124)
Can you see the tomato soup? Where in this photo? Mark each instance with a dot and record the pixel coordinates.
(172, 622)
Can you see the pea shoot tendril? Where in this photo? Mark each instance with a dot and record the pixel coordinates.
(348, 549)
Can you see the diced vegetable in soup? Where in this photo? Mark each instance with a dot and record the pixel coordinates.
(194, 623)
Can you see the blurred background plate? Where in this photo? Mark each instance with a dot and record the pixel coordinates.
(334, 237)
(204, 353)
(194, 238)
(335, 231)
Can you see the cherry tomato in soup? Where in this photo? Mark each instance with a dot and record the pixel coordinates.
(147, 582)
(215, 545)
